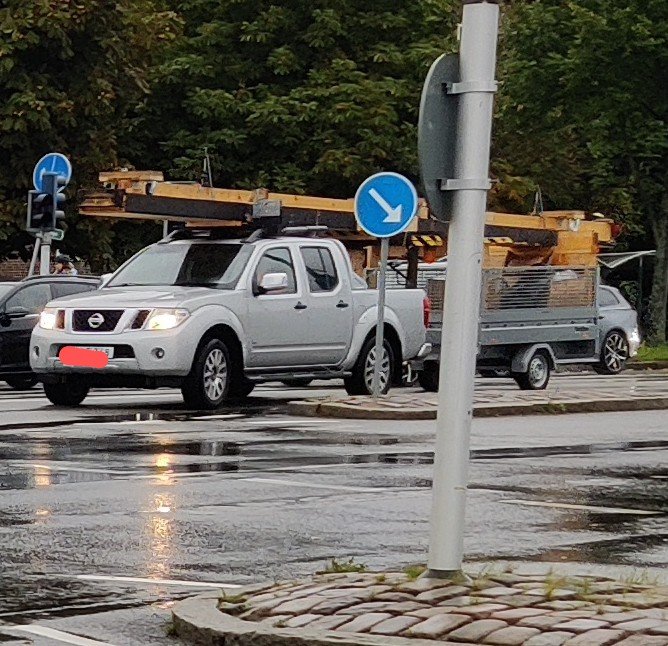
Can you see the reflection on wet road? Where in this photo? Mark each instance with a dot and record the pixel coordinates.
(112, 512)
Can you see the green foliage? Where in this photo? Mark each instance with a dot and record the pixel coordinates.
(337, 567)
(299, 97)
(583, 111)
(71, 74)
(653, 353)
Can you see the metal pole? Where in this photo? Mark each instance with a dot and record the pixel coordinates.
(413, 261)
(45, 255)
(462, 293)
(380, 323)
(35, 253)
(640, 288)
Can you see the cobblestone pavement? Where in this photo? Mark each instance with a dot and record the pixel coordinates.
(526, 606)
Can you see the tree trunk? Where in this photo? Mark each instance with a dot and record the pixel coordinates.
(659, 299)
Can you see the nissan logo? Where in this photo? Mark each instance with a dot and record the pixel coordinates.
(95, 320)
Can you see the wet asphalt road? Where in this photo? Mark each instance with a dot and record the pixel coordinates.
(104, 518)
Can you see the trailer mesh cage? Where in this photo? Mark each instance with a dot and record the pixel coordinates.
(520, 288)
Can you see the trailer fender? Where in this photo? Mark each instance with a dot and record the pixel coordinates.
(521, 358)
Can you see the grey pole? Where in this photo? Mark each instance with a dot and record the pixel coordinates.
(45, 255)
(35, 253)
(462, 294)
(380, 323)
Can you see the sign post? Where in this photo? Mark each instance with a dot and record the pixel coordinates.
(468, 184)
(385, 205)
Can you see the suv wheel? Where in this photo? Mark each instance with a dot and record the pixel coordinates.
(361, 381)
(614, 354)
(208, 384)
(25, 382)
(69, 393)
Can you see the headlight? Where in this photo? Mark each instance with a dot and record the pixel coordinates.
(163, 319)
(48, 318)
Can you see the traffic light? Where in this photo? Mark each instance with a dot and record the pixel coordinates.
(52, 184)
(45, 207)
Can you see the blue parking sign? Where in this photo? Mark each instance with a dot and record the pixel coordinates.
(51, 163)
(385, 204)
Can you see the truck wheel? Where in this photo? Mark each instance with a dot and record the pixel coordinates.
(614, 354)
(428, 377)
(361, 381)
(538, 372)
(21, 383)
(69, 393)
(208, 384)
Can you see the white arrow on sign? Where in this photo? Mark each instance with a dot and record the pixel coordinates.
(393, 213)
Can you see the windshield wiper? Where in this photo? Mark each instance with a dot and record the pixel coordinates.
(195, 283)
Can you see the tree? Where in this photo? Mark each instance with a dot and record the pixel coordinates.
(583, 111)
(71, 75)
(295, 96)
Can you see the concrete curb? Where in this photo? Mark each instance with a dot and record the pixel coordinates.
(326, 408)
(647, 365)
(198, 621)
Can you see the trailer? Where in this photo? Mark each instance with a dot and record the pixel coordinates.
(532, 320)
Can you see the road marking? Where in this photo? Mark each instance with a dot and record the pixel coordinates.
(132, 579)
(59, 467)
(58, 635)
(599, 510)
(295, 483)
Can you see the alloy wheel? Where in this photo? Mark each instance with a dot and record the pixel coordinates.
(215, 374)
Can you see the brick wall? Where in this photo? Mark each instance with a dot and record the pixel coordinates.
(15, 269)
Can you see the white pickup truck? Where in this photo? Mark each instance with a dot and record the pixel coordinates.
(214, 317)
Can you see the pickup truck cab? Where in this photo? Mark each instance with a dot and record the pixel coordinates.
(214, 317)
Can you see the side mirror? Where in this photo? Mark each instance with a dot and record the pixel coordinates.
(273, 283)
(104, 279)
(5, 321)
(17, 312)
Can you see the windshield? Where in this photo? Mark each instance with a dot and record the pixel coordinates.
(194, 264)
(5, 288)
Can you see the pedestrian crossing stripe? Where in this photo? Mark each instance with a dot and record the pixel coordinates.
(426, 241)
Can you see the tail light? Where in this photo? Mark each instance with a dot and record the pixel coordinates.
(426, 311)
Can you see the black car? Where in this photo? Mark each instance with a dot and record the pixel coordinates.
(20, 306)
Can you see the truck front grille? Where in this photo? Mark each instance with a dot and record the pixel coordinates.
(95, 320)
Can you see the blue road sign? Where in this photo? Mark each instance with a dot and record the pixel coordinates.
(385, 204)
(51, 163)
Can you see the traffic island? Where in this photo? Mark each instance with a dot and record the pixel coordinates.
(419, 405)
(525, 604)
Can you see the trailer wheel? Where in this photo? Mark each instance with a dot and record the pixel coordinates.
(428, 377)
(538, 372)
(614, 354)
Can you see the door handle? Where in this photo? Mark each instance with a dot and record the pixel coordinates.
(300, 306)
(342, 304)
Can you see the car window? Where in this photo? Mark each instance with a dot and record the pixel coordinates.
(322, 276)
(61, 289)
(277, 261)
(606, 298)
(32, 298)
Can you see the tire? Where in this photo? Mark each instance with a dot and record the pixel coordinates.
(428, 377)
(24, 382)
(66, 394)
(538, 372)
(614, 353)
(297, 382)
(208, 384)
(361, 381)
